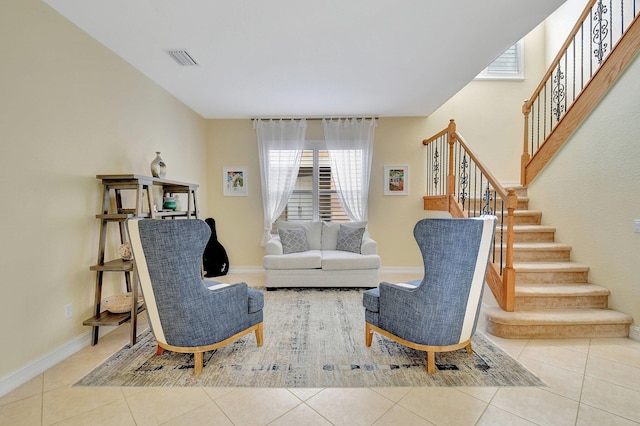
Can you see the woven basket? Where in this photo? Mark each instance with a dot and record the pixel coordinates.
(120, 303)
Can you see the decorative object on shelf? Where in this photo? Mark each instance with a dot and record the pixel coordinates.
(120, 303)
(169, 203)
(234, 180)
(396, 180)
(125, 251)
(158, 166)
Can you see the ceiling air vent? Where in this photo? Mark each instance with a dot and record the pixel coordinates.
(182, 57)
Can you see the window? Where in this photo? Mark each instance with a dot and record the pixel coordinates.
(315, 196)
(509, 65)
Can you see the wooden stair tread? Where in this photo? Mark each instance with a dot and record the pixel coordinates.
(549, 267)
(558, 316)
(541, 246)
(527, 212)
(562, 289)
(533, 228)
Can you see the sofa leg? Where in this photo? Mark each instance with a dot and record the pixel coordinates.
(368, 335)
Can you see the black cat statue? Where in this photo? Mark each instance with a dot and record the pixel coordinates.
(214, 259)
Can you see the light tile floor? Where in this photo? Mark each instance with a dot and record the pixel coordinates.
(590, 382)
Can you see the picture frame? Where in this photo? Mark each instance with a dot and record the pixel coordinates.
(234, 181)
(396, 180)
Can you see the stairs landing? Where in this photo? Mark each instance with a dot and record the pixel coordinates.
(553, 296)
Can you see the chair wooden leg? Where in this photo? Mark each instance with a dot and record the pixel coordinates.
(368, 335)
(431, 362)
(469, 350)
(259, 335)
(197, 362)
(159, 350)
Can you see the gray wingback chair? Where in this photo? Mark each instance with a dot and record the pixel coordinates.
(438, 313)
(188, 314)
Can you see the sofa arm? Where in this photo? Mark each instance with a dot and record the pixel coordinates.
(369, 245)
(274, 246)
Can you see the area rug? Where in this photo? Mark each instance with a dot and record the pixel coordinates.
(312, 338)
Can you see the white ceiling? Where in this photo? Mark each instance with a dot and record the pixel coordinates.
(297, 58)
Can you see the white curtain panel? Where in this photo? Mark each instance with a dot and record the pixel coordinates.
(350, 146)
(280, 145)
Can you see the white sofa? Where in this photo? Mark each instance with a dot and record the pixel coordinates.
(322, 264)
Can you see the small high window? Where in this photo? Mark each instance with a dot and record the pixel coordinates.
(508, 66)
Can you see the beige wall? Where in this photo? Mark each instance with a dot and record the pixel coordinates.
(69, 109)
(591, 193)
(239, 221)
(488, 113)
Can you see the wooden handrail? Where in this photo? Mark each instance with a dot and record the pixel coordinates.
(436, 136)
(497, 186)
(558, 125)
(554, 64)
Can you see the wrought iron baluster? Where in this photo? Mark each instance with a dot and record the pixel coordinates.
(463, 180)
(487, 198)
(558, 94)
(436, 169)
(601, 31)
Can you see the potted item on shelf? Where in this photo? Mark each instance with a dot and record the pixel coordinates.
(125, 251)
(169, 203)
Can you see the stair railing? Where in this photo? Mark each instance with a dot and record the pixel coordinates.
(595, 38)
(459, 183)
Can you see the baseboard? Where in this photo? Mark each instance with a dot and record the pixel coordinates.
(402, 270)
(40, 365)
(634, 333)
(385, 270)
(246, 270)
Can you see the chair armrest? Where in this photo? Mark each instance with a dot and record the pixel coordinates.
(398, 300)
(369, 245)
(274, 246)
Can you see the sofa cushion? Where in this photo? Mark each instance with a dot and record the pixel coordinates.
(293, 240)
(330, 232)
(335, 260)
(312, 229)
(349, 239)
(310, 259)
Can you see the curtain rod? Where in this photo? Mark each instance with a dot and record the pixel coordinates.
(310, 118)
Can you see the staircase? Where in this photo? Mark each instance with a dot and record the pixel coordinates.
(553, 298)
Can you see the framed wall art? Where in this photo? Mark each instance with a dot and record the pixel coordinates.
(234, 181)
(396, 180)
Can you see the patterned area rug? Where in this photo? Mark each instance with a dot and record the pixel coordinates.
(312, 338)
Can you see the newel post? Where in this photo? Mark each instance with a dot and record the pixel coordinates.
(451, 181)
(508, 272)
(526, 156)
